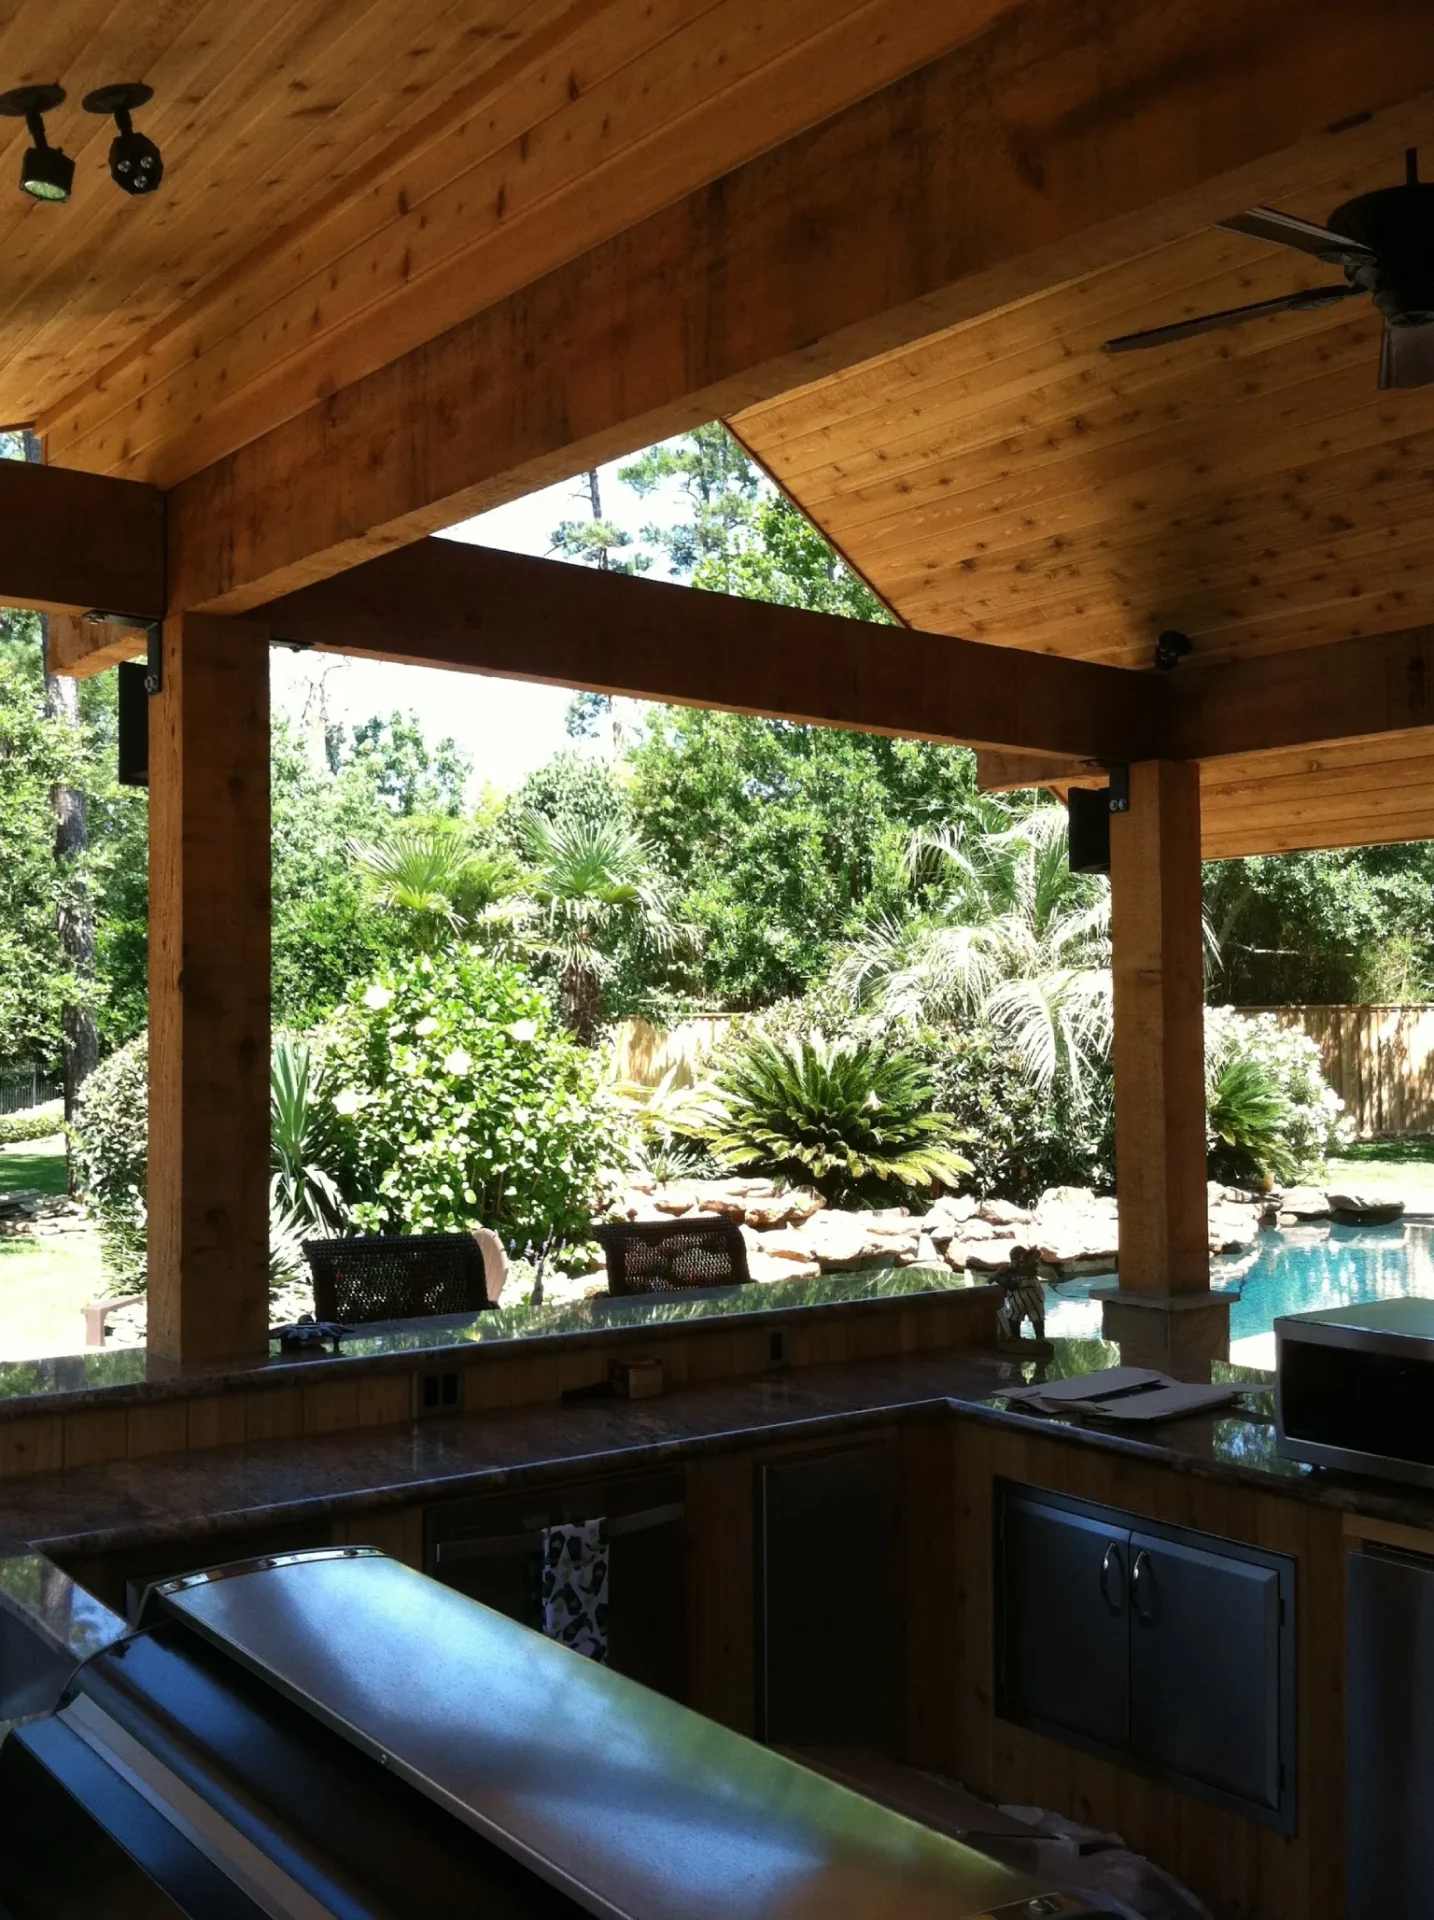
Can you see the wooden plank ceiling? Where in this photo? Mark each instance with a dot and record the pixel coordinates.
(1008, 481)
(348, 179)
(329, 160)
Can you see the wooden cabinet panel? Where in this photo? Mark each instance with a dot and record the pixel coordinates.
(829, 1660)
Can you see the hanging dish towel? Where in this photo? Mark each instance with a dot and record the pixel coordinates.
(575, 1562)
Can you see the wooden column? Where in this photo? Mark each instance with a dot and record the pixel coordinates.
(209, 992)
(1156, 962)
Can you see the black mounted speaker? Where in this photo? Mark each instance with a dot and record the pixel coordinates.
(133, 724)
(1089, 809)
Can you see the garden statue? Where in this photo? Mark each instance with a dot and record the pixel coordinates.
(1023, 1297)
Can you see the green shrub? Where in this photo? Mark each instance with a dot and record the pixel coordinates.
(851, 1117)
(1019, 1141)
(1247, 1122)
(459, 1101)
(1313, 1124)
(109, 1142)
(34, 1123)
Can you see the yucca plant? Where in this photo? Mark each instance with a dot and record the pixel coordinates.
(849, 1117)
(302, 1192)
(1247, 1121)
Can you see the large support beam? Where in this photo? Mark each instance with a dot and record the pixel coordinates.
(1379, 683)
(209, 993)
(1065, 137)
(1156, 965)
(72, 541)
(444, 603)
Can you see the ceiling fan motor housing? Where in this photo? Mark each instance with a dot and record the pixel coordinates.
(1397, 225)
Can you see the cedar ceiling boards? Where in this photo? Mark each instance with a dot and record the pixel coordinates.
(1008, 481)
(344, 182)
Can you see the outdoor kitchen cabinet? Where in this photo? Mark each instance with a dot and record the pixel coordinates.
(1162, 1649)
(491, 1549)
(828, 1639)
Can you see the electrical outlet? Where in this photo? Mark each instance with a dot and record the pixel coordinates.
(438, 1392)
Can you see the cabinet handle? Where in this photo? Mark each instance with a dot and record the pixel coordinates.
(1110, 1565)
(1141, 1575)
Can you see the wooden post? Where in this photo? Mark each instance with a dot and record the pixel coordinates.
(209, 993)
(1156, 963)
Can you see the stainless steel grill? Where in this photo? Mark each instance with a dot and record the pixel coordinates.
(331, 1734)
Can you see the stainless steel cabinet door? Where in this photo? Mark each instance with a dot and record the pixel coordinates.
(1390, 1766)
(1063, 1645)
(1205, 1667)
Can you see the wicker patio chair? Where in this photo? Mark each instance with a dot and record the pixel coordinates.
(403, 1277)
(673, 1256)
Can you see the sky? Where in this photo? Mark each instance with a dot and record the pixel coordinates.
(508, 727)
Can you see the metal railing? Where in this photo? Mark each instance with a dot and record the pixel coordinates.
(27, 1087)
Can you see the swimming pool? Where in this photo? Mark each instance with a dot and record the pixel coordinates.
(1291, 1270)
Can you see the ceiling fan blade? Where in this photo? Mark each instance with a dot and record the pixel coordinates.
(1406, 356)
(1308, 302)
(1288, 230)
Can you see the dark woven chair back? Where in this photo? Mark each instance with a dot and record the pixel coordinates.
(396, 1277)
(672, 1256)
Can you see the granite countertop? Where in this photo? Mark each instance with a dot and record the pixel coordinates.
(130, 1374)
(53, 1516)
(183, 1496)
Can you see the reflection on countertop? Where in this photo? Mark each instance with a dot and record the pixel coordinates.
(130, 1373)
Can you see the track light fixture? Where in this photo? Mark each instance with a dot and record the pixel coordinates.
(1170, 649)
(45, 173)
(136, 163)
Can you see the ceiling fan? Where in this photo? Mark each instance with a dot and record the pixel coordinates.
(1384, 241)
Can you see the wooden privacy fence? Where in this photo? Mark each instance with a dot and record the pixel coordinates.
(1379, 1060)
(642, 1054)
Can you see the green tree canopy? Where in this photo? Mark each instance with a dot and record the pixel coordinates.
(785, 840)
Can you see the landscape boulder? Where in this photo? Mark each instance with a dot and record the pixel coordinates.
(1364, 1209)
(1304, 1203)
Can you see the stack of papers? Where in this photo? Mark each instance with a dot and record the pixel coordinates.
(1130, 1395)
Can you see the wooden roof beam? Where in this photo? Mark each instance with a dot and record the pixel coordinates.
(72, 542)
(1062, 139)
(1377, 684)
(447, 604)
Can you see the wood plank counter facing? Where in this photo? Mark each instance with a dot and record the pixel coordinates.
(101, 1507)
(85, 1409)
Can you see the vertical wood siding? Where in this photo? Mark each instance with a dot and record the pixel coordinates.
(1379, 1060)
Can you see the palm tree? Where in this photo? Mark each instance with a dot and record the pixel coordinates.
(434, 874)
(1009, 934)
(596, 888)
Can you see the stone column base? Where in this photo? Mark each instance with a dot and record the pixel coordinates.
(1164, 1330)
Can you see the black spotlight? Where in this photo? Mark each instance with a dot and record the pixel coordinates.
(135, 161)
(1170, 649)
(45, 172)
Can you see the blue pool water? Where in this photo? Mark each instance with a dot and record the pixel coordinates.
(1291, 1270)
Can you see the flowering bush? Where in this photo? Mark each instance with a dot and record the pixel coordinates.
(110, 1142)
(1313, 1124)
(459, 1101)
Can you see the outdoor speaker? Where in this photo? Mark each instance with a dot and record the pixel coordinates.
(1089, 837)
(133, 724)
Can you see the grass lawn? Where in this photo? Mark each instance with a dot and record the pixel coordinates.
(1402, 1169)
(44, 1284)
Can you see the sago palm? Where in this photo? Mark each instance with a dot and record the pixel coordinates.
(1247, 1122)
(596, 887)
(849, 1117)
